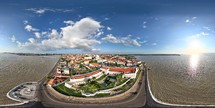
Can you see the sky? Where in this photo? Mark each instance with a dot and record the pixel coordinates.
(107, 26)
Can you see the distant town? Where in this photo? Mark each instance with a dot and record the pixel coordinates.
(91, 75)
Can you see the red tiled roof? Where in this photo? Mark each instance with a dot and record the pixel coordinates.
(51, 81)
(124, 70)
(94, 64)
(85, 75)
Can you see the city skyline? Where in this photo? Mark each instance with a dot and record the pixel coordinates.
(78, 26)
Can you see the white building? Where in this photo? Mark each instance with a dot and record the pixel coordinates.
(66, 71)
(88, 58)
(97, 57)
(80, 79)
(131, 75)
(127, 72)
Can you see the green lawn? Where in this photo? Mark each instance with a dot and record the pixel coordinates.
(94, 86)
(126, 86)
(138, 73)
(120, 80)
(102, 77)
(102, 95)
(67, 91)
(91, 87)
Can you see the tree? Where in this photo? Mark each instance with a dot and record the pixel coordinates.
(88, 80)
(94, 78)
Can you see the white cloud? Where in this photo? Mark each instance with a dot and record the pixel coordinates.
(107, 18)
(142, 42)
(37, 34)
(99, 33)
(199, 35)
(187, 21)
(67, 10)
(144, 24)
(31, 40)
(123, 40)
(30, 28)
(25, 22)
(38, 11)
(194, 18)
(109, 28)
(207, 28)
(54, 34)
(69, 22)
(80, 35)
(190, 20)
(13, 38)
(44, 33)
(154, 44)
(41, 11)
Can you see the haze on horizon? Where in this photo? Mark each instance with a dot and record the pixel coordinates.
(79, 26)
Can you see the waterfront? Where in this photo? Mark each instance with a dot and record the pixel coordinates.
(15, 70)
(182, 79)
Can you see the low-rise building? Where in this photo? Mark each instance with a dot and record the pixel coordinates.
(94, 65)
(86, 62)
(80, 79)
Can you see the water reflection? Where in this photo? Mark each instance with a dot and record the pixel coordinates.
(194, 61)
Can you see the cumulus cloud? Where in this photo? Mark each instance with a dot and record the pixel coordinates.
(123, 40)
(41, 11)
(30, 28)
(80, 35)
(54, 34)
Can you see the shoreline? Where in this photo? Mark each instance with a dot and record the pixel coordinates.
(170, 104)
(22, 103)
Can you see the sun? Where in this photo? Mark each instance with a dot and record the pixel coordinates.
(195, 47)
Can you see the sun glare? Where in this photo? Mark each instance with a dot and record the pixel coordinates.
(195, 47)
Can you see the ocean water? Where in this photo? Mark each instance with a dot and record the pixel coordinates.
(16, 69)
(185, 79)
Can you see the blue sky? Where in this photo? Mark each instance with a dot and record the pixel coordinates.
(82, 26)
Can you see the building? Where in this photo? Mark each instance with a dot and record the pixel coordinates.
(88, 58)
(51, 82)
(127, 72)
(65, 71)
(129, 63)
(80, 79)
(86, 62)
(94, 65)
(97, 57)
